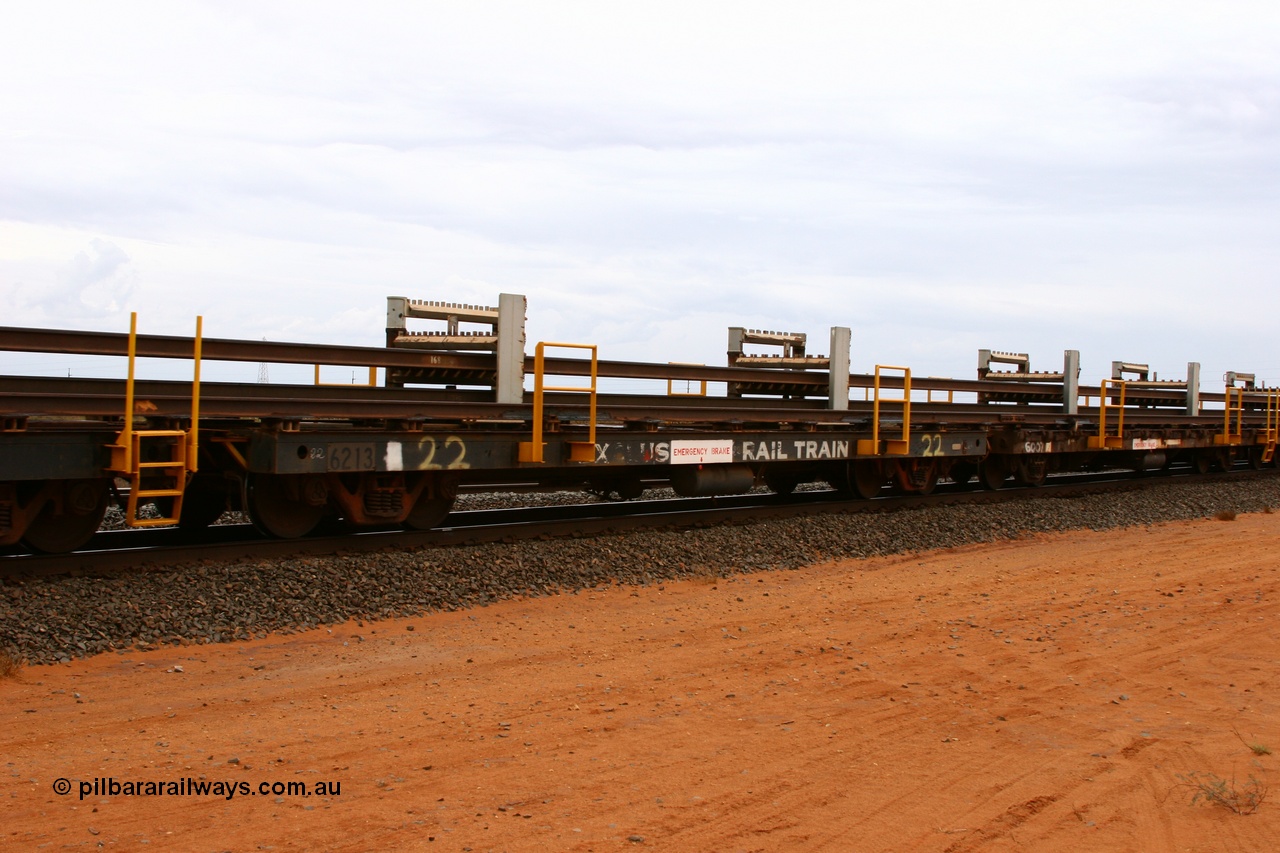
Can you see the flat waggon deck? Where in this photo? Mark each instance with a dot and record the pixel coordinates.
(455, 408)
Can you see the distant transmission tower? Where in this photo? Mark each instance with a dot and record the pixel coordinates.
(262, 372)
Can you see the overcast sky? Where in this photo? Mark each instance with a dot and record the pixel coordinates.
(939, 176)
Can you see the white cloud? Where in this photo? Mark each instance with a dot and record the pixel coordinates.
(937, 176)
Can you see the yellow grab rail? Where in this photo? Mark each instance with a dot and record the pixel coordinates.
(181, 446)
(373, 380)
(193, 435)
(951, 397)
(671, 392)
(1102, 440)
(893, 447)
(1228, 409)
(122, 450)
(1272, 433)
(532, 451)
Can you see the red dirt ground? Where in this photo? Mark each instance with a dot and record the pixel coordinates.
(1049, 694)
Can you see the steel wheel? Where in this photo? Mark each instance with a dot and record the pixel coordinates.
(866, 479)
(428, 512)
(991, 473)
(84, 502)
(962, 474)
(781, 482)
(278, 508)
(435, 501)
(201, 508)
(203, 503)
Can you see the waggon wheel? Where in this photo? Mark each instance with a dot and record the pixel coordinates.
(866, 479)
(991, 473)
(201, 508)
(962, 474)
(84, 502)
(428, 512)
(203, 503)
(283, 506)
(433, 504)
(780, 482)
(623, 489)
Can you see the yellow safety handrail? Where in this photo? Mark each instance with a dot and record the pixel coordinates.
(1228, 408)
(122, 450)
(671, 392)
(1102, 440)
(533, 451)
(1273, 427)
(373, 380)
(929, 396)
(193, 435)
(184, 445)
(893, 447)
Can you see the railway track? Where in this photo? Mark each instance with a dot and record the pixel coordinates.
(205, 595)
(116, 551)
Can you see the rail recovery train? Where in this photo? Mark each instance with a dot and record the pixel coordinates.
(464, 404)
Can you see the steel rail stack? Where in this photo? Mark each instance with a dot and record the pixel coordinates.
(453, 410)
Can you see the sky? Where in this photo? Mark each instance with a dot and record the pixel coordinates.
(938, 176)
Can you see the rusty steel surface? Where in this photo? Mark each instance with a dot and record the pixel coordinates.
(101, 398)
(462, 365)
(65, 342)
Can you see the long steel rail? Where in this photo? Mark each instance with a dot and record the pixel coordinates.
(36, 391)
(100, 399)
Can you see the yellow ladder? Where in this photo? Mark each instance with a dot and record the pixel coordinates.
(167, 449)
(164, 456)
(892, 446)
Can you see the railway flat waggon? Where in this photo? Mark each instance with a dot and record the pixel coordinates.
(465, 404)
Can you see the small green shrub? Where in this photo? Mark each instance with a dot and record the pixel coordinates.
(1242, 799)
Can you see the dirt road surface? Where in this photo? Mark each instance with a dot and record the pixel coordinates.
(1061, 693)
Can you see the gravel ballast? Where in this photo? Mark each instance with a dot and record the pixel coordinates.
(45, 621)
